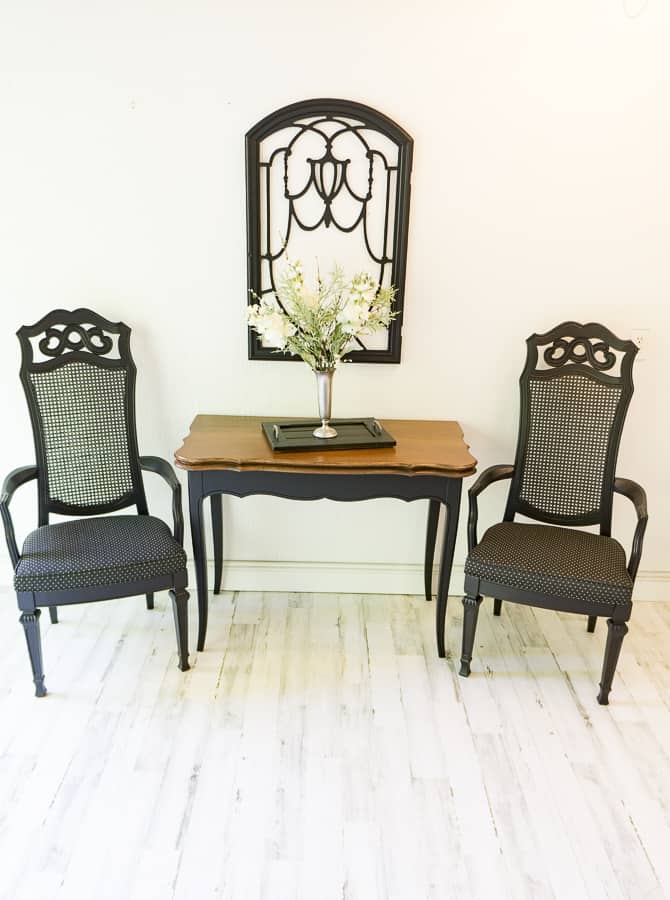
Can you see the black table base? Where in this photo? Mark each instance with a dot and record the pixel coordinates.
(439, 490)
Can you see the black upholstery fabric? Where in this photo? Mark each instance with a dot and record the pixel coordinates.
(555, 561)
(97, 551)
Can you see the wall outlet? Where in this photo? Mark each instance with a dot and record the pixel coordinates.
(640, 337)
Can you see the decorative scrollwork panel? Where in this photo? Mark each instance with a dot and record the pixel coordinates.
(580, 350)
(327, 181)
(588, 352)
(59, 337)
(75, 337)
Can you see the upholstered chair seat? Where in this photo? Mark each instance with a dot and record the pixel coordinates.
(552, 561)
(97, 551)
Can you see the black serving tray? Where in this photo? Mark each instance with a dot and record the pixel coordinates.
(352, 434)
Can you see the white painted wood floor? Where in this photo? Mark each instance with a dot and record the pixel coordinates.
(320, 749)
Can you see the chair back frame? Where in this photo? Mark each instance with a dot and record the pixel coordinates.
(574, 351)
(81, 336)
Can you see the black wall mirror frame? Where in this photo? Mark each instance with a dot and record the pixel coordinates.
(327, 176)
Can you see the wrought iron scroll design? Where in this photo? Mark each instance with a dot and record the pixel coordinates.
(329, 125)
(580, 350)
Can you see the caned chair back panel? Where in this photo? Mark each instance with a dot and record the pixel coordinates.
(79, 379)
(575, 391)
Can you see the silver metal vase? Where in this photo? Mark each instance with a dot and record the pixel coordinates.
(324, 393)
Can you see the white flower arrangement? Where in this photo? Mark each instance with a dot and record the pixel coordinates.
(320, 326)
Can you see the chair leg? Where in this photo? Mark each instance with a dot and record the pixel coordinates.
(470, 613)
(591, 624)
(180, 610)
(53, 615)
(31, 629)
(150, 601)
(616, 632)
(497, 606)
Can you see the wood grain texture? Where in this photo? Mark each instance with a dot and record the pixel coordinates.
(237, 443)
(319, 749)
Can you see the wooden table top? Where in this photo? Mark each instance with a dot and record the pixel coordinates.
(237, 443)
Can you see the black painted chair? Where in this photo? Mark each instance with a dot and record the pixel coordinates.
(79, 379)
(575, 391)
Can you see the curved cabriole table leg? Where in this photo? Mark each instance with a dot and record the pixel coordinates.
(431, 538)
(216, 505)
(195, 502)
(452, 505)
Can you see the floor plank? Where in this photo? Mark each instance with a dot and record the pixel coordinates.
(318, 748)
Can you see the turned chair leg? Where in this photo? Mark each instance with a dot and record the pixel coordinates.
(616, 632)
(180, 610)
(53, 615)
(591, 624)
(470, 613)
(497, 606)
(150, 601)
(31, 629)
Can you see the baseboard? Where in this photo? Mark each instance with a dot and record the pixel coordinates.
(357, 578)
(652, 586)
(324, 577)
(371, 578)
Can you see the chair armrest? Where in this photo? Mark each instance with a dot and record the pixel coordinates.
(487, 477)
(11, 483)
(638, 497)
(163, 468)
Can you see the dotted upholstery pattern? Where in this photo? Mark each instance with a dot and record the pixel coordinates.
(85, 433)
(97, 551)
(570, 419)
(550, 560)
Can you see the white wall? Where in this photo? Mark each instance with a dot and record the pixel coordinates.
(540, 193)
